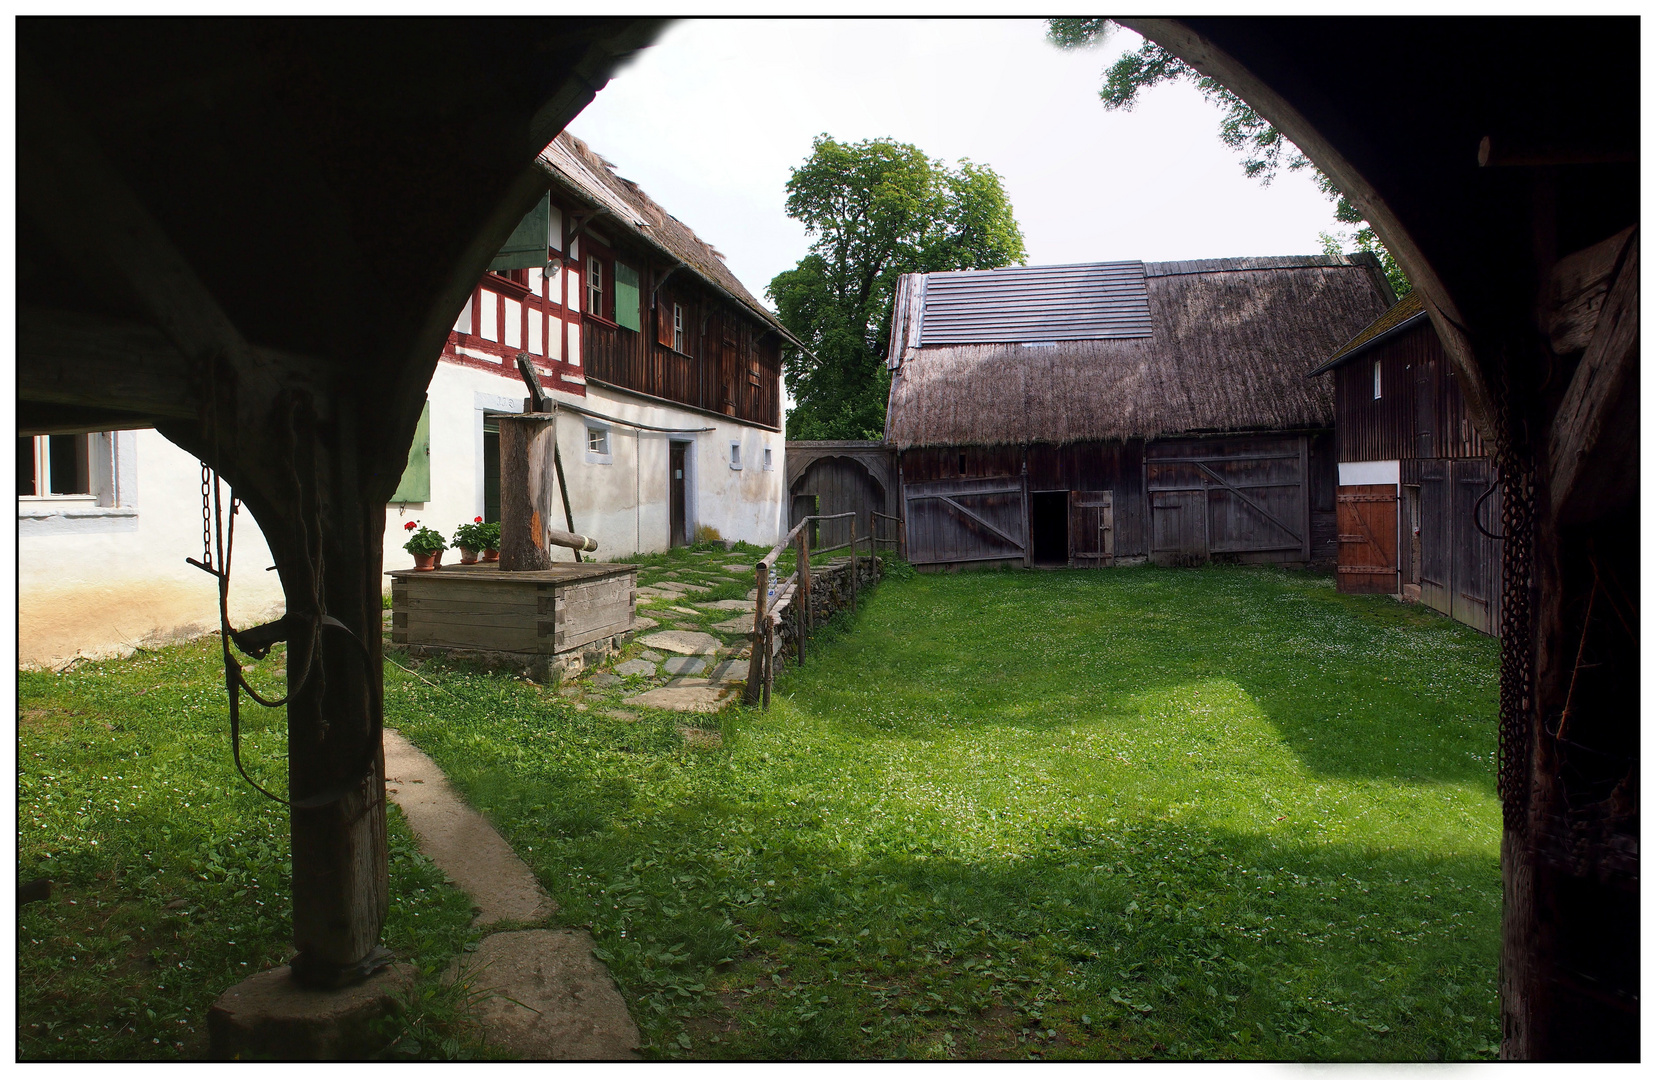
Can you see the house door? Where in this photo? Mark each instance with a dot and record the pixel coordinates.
(1366, 524)
(676, 494)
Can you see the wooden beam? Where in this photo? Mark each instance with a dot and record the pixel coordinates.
(1576, 292)
(1593, 442)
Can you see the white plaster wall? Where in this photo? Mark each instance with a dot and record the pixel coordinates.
(100, 584)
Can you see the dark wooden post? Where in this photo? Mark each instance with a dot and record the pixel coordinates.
(770, 666)
(803, 590)
(528, 474)
(756, 665)
(854, 564)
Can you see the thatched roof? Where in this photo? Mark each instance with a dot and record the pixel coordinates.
(622, 204)
(1230, 345)
(1398, 318)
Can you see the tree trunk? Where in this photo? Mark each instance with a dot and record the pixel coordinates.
(528, 472)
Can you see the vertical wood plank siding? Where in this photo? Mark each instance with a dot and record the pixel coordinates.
(1425, 418)
(716, 375)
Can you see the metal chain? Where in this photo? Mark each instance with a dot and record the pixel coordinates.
(1515, 710)
(206, 516)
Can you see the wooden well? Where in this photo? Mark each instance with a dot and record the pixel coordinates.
(544, 621)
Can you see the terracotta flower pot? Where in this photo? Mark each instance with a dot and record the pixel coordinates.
(468, 556)
(427, 561)
(491, 555)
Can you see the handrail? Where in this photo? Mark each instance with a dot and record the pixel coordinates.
(771, 557)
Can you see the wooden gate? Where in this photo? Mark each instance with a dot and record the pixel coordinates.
(1241, 497)
(973, 520)
(1366, 526)
(1460, 567)
(838, 485)
(1092, 529)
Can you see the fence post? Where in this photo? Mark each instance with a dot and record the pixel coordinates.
(802, 591)
(770, 666)
(756, 667)
(854, 564)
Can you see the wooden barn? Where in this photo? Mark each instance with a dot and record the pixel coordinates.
(1418, 505)
(1093, 413)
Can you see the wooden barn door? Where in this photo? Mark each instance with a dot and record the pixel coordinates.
(1366, 524)
(1092, 529)
(840, 484)
(1245, 497)
(1436, 535)
(1475, 572)
(971, 520)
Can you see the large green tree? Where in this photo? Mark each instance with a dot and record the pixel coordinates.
(875, 209)
(1263, 148)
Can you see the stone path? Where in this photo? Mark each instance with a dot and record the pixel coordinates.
(548, 998)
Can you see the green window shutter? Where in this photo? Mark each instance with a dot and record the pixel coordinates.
(527, 246)
(627, 297)
(416, 485)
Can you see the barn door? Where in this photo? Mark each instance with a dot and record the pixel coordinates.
(1475, 568)
(1436, 535)
(972, 520)
(1244, 496)
(1178, 530)
(1366, 525)
(1092, 533)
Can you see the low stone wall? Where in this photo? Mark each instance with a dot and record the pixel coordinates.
(547, 669)
(831, 591)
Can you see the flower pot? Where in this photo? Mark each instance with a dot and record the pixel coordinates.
(491, 555)
(468, 556)
(427, 561)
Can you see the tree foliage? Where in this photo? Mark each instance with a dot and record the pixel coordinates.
(875, 209)
(1263, 147)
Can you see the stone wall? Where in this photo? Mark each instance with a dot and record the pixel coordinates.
(831, 591)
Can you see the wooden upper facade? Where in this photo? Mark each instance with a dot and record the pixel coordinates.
(629, 299)
(1396, 395)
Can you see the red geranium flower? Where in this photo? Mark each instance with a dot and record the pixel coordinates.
(408, 524)
(478, 519)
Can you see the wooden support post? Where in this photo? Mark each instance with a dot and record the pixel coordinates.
(770, 664)
(762, 630)
(806, 625)
(854, 564)
(528, 472)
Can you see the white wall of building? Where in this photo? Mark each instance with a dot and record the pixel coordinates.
(98, 580)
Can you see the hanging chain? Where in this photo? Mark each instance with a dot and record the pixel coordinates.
(1517, 470)
(206, 516)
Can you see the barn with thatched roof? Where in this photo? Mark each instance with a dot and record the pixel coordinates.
(1100, 412)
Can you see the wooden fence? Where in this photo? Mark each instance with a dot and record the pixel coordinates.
(773, 598)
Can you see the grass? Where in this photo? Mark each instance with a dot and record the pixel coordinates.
(170, 876)
(1216, 813)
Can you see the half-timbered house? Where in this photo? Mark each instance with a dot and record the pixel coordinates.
(1094, 413)
(1418, 506)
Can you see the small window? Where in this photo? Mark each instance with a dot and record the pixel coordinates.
(595, 286)
(1377, 370)
(598, 440)
(736, 454)
(963, 464)
(50, 465)
(767, 459)
(678, 328)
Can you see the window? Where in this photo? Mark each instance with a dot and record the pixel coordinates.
(736, 454)
(678, 328)
(49, 465)
(767, 465)
(595, 286)
(1377, 371)
(598, 445)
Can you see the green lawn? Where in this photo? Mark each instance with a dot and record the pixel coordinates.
(170, 874)
(1216, 813)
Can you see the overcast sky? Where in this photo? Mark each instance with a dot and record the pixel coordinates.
(711, 118)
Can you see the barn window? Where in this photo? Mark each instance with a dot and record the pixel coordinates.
(678, 328)
(1377, 370)
(963, 464)
(595, 285)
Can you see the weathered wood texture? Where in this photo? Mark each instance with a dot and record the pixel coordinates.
(1421, 412)
(1367, 517)
(836, 485)
(1242, 498)
(529, 483)
(550, 611)
(1461, 568)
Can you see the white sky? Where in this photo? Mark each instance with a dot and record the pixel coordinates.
(710, 120)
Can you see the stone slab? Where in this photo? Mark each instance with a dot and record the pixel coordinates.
(685, 611)
(640, 623)
(270, 1017)
(729, 605)
(651, 655)
(460, 840)
(730, 671)
(547, 998)
(685, 695)
(685, 665)
(636, 667)
(683, 642)
(737, 569)
(741, 624)
(604, 678)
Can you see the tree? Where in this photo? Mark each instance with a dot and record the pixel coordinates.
(876, 209)
(1263, 147)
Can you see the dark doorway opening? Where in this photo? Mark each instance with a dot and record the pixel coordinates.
(1050, 527)
(676, 494)
(491, 470)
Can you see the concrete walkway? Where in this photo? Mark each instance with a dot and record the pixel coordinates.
(551, 998)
